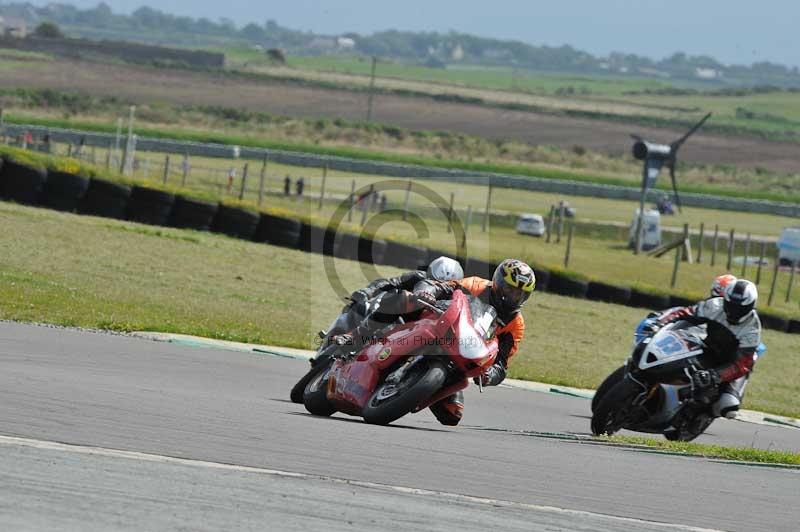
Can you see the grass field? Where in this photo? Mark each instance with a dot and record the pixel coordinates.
(773, 114)
(91, 272)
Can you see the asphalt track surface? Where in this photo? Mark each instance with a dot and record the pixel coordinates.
(106, 432)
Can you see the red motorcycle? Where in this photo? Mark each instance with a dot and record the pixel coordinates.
(413, 366)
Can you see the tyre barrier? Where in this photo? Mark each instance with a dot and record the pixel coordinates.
(315, 239)
(618, 295)
(542, 279)
(21, 183)
(567, 286)
(773, 322)
(649, 301)
(150, 206)
(190, 213)
(404, 256)
(278, 231)
(106, 199)
(235, 222)
(63, 191)
(346, 246)
(479, 268)
(371, 251)
(680, 301)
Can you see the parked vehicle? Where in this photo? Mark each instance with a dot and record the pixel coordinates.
(652, 392)
(415, 364)
(531, 224)
(789, 245)
(651, 235)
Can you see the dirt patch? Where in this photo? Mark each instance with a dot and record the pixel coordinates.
(143, 84)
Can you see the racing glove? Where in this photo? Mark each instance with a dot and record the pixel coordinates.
(492, 376)
(425, 297)
(704, 382)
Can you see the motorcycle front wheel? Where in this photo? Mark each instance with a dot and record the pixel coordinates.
(607, 384)
(391, 401)
(614, 408)
(315, 395)
(296, 395)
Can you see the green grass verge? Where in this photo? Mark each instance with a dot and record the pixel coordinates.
(739, 454)
(365, 154)
(93, 272)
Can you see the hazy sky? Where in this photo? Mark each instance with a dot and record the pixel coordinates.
(733, 31)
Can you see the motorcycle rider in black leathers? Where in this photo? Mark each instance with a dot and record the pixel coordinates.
(356, 325)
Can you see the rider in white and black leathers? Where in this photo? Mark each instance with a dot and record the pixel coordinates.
(736, 312)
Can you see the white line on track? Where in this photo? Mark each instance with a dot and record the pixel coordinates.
(147, 457)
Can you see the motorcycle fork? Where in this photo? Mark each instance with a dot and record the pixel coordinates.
(398, 374)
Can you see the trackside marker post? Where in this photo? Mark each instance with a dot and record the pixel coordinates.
(774, 278)
(731, 245)
(761, 261)
(244, 181)
(700, 243)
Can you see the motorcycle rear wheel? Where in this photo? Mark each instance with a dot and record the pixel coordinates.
(610, 414)
(315, 395)
(421, 382)
(607, 384)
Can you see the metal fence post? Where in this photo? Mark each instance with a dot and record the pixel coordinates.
(488, 206)
(714, 245)
(569, 245)
(185, 169)
(322, 187)
(678, 256)
(700, 243)
(261, 181)
(166, 169)
(450, 213)
(405, 202)
(761, 261)
(731, 245)
(774, 278)
(244, 181)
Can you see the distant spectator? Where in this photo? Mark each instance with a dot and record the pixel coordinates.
(299, 186)
(231, 177)
(664, 205)
(383, 202)
(287, 186)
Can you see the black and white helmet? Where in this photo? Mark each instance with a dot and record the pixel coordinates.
(445, 269)
(739, 300)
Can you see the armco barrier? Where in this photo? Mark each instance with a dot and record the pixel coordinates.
(113, 200)
(343, 164)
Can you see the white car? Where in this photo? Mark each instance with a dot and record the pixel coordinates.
(531, 224)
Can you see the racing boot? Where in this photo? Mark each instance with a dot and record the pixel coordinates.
(449, 410)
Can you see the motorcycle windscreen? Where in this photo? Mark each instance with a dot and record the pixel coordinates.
(669, 346)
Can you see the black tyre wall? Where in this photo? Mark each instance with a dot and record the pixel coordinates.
(149, 206)
(279, 231)
(648, 301)
(678, 301)
(794, 327)
(346, 246)
(405, 256)
(479, 268)
(190, 213)
(317, 239)
(235, 222)
(773, 322)
(542, 279)
(566, 286)
(21, 183)
(608, 293)
(371, 251)
(63, 191)
(106, 199)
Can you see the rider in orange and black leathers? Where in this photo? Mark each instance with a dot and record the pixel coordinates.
(511, 285)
